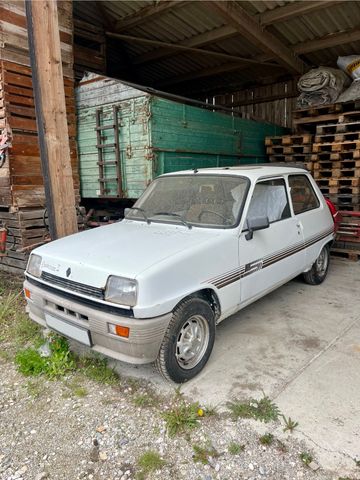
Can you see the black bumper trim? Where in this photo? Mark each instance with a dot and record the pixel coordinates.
(82, 301)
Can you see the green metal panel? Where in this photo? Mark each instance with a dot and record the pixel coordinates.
(184, 137)
(134, 138)
(158, 136)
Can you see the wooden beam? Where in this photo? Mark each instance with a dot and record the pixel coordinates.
(248, 27)
(49, 94)
(182, 48)
(282, 14)
(271, 16)
(212, 36)
(146, 13)
(301, 48)
(206, 72)
(328, 41)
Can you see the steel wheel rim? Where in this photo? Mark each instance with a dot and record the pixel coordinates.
(322, 262)
(192, 342)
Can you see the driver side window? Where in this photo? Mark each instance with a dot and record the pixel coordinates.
(269, 199)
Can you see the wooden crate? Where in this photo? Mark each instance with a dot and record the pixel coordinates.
(13, 34)
(22, 175)
(308, 120)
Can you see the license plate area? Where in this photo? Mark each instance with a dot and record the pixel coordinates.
(68, 329)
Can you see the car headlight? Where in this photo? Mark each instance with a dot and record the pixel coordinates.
(121, 290)
(34, 265)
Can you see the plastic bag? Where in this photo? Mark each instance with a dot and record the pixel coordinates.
(351, 65)
(321, 86)
(352, 93)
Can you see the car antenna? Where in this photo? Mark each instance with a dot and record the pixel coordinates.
(195, 170)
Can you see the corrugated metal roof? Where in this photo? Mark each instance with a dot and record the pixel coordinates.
(181, 22)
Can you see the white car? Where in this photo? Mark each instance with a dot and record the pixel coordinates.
(197, 247)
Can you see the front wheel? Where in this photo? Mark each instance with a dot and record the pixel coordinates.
(188, 341)
(318, 271)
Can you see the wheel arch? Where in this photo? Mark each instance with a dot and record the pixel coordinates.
(210, 296)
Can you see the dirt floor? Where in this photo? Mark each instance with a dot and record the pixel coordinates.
(69, 417)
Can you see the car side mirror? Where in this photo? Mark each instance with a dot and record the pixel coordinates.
(126, 211)
(256, 223)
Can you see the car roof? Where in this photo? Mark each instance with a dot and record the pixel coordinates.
(252, 171)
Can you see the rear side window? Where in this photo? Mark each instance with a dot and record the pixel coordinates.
(302, 194)
(270, 200)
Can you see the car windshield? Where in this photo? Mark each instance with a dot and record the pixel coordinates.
(200, 200)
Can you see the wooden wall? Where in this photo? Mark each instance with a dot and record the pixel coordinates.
(22, 195)
(13, 34)
(273, 103)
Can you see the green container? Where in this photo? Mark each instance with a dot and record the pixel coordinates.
(155, 136)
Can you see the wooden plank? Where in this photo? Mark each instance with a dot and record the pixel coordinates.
(284, 13)
(252, 30)
(147, 12)
(328, 41)
(205, 38)
(182, 48)
(49, 93)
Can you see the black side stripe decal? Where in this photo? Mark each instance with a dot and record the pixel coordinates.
(221, 281)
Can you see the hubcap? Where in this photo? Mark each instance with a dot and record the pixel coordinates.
(322, 262)
(192, 342)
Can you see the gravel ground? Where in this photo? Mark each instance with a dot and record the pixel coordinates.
(77, 428)
(47, 431)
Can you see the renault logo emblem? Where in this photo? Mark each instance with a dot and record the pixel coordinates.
(68, 272)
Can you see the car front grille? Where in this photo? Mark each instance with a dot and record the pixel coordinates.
(73, 286)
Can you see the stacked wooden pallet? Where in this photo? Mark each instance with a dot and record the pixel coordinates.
(348, 236)
(18, 116)
(336, 159)
(306, 120)
(25, 229)
(327, 143)
(295, 149)
(22, 196)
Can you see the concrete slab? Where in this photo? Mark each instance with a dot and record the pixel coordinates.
(301, 346)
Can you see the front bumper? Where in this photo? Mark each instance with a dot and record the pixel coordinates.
(145, 336)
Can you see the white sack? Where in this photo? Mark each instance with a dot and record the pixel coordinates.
(351, 65)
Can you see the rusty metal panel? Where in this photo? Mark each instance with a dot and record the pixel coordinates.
(156, 135)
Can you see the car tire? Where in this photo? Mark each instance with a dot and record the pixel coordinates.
(188, 341)
(318, 271)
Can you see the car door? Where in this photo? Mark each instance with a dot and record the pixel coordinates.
(311, 214)
(275, 254)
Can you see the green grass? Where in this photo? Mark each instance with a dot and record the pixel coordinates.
(145, 400)
(306, 458)
(263, 410)
(235, 448)
(35, 388)
(30, 363)
(290, 424)
(57, 365)
(181, 418)
(96, 369)
(210, 411)
(148, 462)
(202, 453)
(16, 329)
(266, 439)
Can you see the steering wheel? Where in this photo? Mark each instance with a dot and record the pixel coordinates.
(214, 213)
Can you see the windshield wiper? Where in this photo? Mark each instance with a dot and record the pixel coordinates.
(171, 214)
(141, 211)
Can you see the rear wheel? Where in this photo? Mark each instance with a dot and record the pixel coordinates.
(188, 341)
(318, 271)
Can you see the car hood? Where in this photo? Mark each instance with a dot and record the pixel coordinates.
(126, 249)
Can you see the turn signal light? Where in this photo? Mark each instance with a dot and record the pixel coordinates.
(27, 293)
(119, 330)
(122, 331)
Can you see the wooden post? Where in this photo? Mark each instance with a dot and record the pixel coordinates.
(49, 94)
